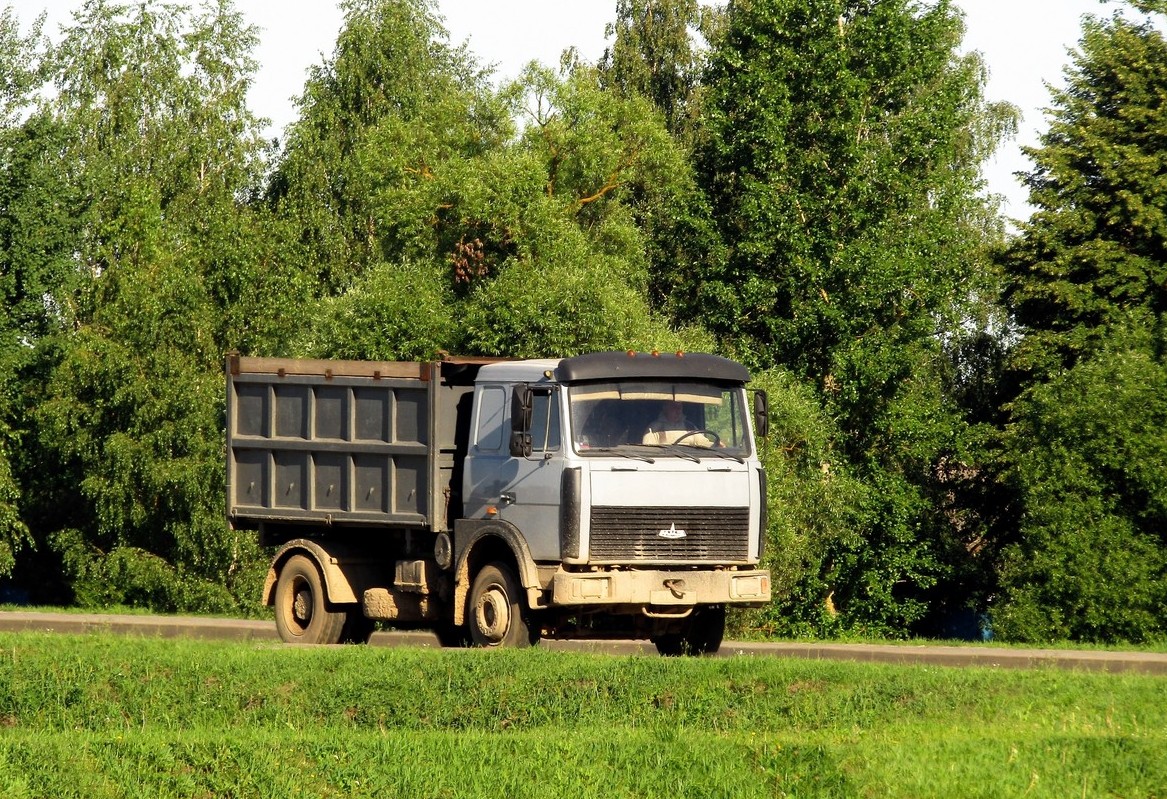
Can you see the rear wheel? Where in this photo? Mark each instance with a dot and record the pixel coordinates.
(303, 614)
(497, 610)
(702, 634)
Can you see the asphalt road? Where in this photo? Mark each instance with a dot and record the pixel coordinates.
(905, 654)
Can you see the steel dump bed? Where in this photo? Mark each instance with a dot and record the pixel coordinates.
(355, 443)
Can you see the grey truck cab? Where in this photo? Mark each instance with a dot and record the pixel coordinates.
(609, 494)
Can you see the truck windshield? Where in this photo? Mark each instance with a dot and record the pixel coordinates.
(659, 414)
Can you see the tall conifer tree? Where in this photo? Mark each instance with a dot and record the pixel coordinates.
(1087, 287)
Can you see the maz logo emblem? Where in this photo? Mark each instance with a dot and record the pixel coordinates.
(672, 532)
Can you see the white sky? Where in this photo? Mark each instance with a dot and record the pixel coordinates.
(1024, 43)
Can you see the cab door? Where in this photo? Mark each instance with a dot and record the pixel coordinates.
(525, 490)
(530, 501)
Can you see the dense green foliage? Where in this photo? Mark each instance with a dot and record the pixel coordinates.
(842, 157)
(99, 716)
(794, 183)
(1087, 428)
(1090, 559)
(134, 169)
(416, 201)
(23, 268)
(654, 55)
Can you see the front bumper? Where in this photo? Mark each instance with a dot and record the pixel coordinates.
(661, 588)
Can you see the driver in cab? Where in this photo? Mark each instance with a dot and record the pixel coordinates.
(671, 426)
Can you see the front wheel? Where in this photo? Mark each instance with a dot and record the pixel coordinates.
(303, 614)
(497, 612)
(702, 635)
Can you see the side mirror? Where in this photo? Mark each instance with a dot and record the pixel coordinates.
(761, 414)
(522, 403)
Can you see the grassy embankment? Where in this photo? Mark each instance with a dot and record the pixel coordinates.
(103, 716)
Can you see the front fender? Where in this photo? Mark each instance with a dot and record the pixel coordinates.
(472, 538)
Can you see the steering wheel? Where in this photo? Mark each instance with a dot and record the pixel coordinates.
(699, 432)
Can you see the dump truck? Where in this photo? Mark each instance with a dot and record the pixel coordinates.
(611, 494)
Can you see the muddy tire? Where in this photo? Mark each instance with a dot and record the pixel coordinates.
(703, 634)
(497, 613)
(303, 614)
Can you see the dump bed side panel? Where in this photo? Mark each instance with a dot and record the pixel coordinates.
(332, 443)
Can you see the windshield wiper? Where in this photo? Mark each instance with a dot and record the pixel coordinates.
(719, 454)
(622, 453)
(675, 449)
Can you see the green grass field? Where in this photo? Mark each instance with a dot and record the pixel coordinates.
(109, 716)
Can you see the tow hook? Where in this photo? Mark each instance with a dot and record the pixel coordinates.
(677, 587)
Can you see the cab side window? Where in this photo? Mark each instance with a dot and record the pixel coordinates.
(545, 422)
(489, 435)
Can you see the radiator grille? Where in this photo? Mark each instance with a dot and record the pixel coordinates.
(624, 534)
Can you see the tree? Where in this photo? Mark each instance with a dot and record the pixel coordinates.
(373, 113)
(1087, 451)
(33, 226)
(157, 152)
(842, 163)
(1087, 287)
(422, 202)
(600, 166)
(654, 54)
(814, 500)
(1093, 253)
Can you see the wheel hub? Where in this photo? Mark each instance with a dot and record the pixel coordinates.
(302, 607)
(492, 614)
